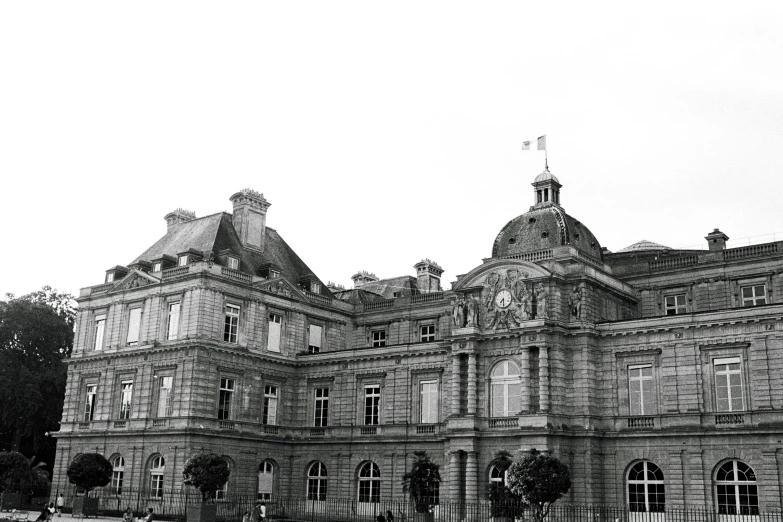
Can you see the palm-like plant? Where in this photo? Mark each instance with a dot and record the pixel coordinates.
(422, 481)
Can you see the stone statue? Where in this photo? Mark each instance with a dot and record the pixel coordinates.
(458, 313)
(541, 295)
(575, 300)
(523, 298)
(471, 307)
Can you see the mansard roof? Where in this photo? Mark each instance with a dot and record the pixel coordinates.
(216, 233)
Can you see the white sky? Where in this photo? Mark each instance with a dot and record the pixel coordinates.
(381, 133)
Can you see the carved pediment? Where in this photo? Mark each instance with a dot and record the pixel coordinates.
(282, 287)
(501, 295)
(136, 279)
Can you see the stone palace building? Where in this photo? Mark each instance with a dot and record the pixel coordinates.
(653, 373)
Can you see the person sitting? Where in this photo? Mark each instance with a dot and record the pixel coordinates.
(44, 514)
(128, 515)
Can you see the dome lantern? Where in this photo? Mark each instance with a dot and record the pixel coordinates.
(546, 189)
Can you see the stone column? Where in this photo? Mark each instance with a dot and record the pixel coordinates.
(454, 479)
(471, 477)
(456, 389)
(543, 378)
(472, 378)
(524, 371)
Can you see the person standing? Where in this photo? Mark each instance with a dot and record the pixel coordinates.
(255, 515)
(60, 504)
(262, 516)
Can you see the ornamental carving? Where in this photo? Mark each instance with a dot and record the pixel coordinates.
(508, 299)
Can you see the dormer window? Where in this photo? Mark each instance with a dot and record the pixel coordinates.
(274, 273)
(110, 277)
(182, 260)
(233, 263)
(157, 267)
(315, 287)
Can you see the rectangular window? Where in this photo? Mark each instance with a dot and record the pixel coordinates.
(428, 402)
(164, 396)
(314, 345)
(100, 330)
(270, 405)
(231, 323)
(322, 406)
(157, 267)
(641, 390)
(134, 326)
(89, 403)
(427, 333)
(233, 263)
(275, 329)
(378, 338)
(675, 304)
(755, 295)
(172, 323)
(126, 394)
(315, 287)
(372, 404)
(728, 384)
(273, 274)
(183, 260)
(110, 277)
(224, 398)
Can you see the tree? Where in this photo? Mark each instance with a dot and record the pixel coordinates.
(36, 334)
(89, 471)
(539, 480)
(206, 472)
(13, 467)
(422, 482)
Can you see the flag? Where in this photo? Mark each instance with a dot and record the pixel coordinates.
(542, 142)
(525, 145)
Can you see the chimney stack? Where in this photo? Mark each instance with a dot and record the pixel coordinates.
(363, 277)
(178, 216)
(250, 218)
(428, 276)
(716, 240)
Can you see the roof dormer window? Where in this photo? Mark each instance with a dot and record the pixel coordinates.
(233, 263)
(110, 277)
(182, 260)
(157, 267)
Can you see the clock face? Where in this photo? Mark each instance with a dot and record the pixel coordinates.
(503, 299)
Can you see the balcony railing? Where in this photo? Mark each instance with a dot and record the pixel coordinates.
(317, 298)
(532, 256)
(729, 418)
(159, 423)
(425, 428)
(503, 423)
(236, 275)
(750, 251)
(84, 425)
(641, 422)
(171, 273)
(318, 432)
(427, 298)
(674, 262)
(226, 425)
(369, 430)
(120, 424)
(271, 430)
(379, 305)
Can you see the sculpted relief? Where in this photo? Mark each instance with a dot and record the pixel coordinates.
(506, 300)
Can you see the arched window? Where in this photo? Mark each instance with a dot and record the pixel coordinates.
(736, 490)
(266, 480)
(505, 389)
(118, 470)
(646, 493)
(222, 493)
(369, 483)
(157, 469)
(316, 482)
(497, 477)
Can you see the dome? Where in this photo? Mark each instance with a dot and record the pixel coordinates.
(546, 176)
(643, 245)
(542, 228)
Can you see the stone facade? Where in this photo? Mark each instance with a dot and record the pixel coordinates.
(606, 360)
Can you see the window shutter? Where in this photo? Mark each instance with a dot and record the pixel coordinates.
(315, 335)
(273, 343)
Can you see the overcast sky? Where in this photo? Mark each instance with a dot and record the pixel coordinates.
(382, 133)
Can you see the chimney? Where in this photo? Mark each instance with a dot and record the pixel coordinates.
(334, 287)
(363, 277)
(428, 276)
(716, 240)
(178, 216)
(250, 218)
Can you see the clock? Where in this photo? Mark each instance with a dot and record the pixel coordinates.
(503, 299)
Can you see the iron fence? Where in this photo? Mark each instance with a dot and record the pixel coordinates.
(172, 505)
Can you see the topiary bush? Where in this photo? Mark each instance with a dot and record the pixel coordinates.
(89, 471)
(207, 472)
